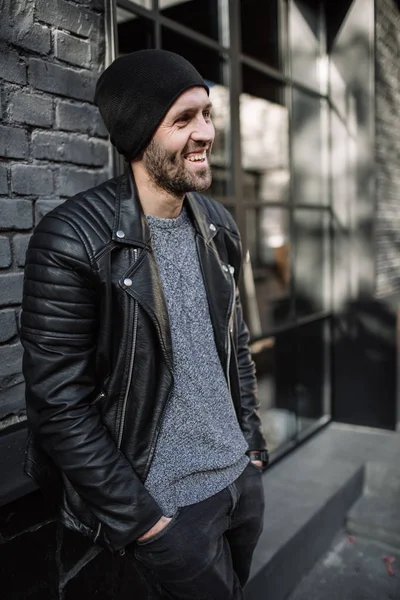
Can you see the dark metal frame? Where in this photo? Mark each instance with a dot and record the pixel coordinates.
(236, 59)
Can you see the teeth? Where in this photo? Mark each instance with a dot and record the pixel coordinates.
(197, 157)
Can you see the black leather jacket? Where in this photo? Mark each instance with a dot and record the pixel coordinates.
(98, 357)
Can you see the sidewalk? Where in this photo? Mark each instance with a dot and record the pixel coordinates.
(353, 569)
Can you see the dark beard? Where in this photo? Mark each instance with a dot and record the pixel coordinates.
(167, 171)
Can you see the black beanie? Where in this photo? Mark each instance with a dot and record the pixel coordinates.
(136, 91)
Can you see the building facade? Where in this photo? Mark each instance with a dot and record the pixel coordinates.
(306, 97)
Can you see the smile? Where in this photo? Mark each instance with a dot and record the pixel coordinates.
(197, 157)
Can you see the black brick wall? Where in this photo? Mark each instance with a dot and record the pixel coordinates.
(387, 144)
(53, 143)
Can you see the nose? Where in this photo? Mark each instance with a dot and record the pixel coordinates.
(203, 131)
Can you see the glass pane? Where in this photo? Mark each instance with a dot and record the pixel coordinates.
(341, 283)
(200, 16)
(274, 358)
(267, 270)
(341, 170)
(312, 280)
(208, 62)
(304, 41)
(134, 32)
(220, 157)
(312, 394)
(144, 3)
(309, 149)
(260, 31)
(264, 125)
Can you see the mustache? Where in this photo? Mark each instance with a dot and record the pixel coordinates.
(199, 147)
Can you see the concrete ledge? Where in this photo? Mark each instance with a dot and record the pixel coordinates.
(307, 499)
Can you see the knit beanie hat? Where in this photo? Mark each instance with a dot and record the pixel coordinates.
(136, 91)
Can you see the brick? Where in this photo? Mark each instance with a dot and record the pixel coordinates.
(32, 180)
(3, 180)
(30, 108)
(80, 117)
(16, 214)
(73, 180)
(11, 288)
(13, 142)
(67, 16)
(20, 244)
(12, 68)
(61, 80)
(42, 207)
(8, 325)
(5, 252)
(69, 148)
(10, 359)
(71, 49)
(36, 39)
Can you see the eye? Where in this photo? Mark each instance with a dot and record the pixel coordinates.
(207, 114)
(182, 119)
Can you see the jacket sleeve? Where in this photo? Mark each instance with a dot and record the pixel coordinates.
(58, 332)
(250, 419)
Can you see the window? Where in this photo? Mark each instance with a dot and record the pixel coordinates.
(260, 29)
(277, 165)
(201, 16)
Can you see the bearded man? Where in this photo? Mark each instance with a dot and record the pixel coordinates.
(140, 387)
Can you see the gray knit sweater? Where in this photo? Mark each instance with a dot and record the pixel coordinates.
(200, 448)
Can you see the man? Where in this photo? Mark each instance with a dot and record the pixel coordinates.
(139, 383)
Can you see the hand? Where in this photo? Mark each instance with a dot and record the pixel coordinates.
(258, 463)
(159, 526)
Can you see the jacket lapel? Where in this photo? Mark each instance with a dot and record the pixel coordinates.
(147, 289)
(130, 228)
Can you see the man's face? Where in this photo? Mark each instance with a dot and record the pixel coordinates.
(178, 157)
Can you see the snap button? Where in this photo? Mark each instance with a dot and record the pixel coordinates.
(212, 227)
(120, 233)
(128, 281)
(231, 269)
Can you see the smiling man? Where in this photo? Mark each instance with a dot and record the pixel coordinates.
(140, 388)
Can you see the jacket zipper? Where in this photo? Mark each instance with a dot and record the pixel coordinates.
(228, 341)
(132, 360)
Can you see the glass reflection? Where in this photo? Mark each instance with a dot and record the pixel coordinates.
(312, 395)
(264, 126)
(312, 276)
(309, 149)
(275, 367)
(269, 253)
(304, 42)
(220, 156)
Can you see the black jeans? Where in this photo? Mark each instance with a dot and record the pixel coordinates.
(205, 551)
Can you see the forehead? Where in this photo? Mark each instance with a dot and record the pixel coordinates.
(194, 98)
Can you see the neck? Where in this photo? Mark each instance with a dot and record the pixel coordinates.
(154, 200)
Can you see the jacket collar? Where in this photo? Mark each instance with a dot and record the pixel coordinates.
(130, 224)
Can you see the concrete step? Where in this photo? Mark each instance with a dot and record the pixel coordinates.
(306, 501)
(376, 517)
(383, 479)
(352, 570)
